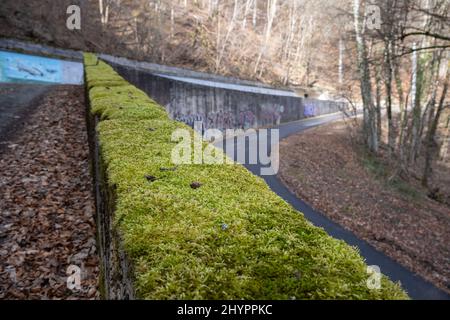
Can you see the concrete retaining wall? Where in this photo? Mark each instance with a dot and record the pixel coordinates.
(175, 71)
(222, 105)
(115, 280)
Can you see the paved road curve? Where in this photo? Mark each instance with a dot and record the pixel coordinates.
(416, 287)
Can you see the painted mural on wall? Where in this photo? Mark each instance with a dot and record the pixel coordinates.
(15, 67)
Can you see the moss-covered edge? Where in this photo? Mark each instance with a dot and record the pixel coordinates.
(232, 238)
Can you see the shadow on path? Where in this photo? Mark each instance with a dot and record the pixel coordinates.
(17, 102)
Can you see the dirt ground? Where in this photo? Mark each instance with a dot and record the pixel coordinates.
(324, 168)
(46, 203)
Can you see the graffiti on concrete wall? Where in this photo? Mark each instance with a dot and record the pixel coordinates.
(228, 120)
(188, 119)
(219, 120)
(247, 119)
(269, 116)
(220, 108)
(313, 108)
(310, 109)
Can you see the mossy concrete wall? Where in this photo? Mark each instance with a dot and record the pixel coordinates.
(229, 238)
(115, 279)
(116, 269)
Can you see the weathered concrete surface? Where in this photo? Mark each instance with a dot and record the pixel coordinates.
(16, 102)
(222, 105)
(115, 282)
(174, 71)
(29, 47)
(17, 67)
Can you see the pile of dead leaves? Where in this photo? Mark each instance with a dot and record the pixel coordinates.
(46, 204)
(323, 168)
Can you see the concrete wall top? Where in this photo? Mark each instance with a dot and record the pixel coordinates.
(231, 86)
(16, 67)
(179, 72)
(29, 47)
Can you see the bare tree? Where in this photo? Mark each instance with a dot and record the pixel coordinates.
(231, 25)
(432, 128)
(271, 12)
(370, 127)
(103, 7)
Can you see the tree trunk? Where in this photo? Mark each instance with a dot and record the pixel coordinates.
(255, 11)
(341, 62)
(248, 4)
(370, 127)
(429, 154)
(388, 86)
(104, 12)
(230, 29)
(271, 12)
(416, 96)
(445, 143)
(378, 102)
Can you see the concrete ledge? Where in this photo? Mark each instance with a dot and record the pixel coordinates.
(181, 72)
(43, 50)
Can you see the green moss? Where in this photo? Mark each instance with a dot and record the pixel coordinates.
(101, 74)
(173, 233)
(124, 102)
(90, 59)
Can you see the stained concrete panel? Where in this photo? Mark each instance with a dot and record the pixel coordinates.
(222, 105)
(23, 68)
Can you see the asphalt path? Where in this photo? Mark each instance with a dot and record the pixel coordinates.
(17, 102)
(416, 286)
